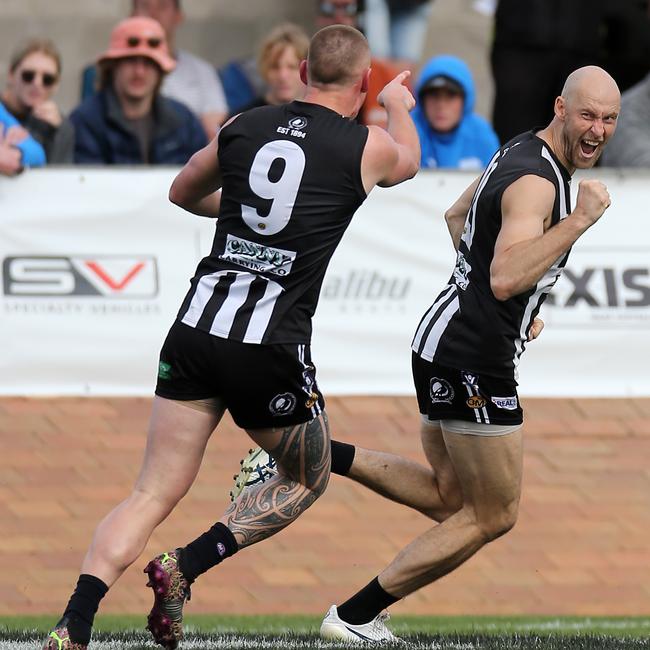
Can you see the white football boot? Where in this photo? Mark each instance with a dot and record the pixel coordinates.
(257, 467)
(373, 632)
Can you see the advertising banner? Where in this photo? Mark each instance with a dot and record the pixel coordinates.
(95, 263)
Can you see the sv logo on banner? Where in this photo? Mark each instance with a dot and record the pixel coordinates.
(108, 276)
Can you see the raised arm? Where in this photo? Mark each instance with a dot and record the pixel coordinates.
(457, 214)
(196, 188)
(392, 156)
(526, 247)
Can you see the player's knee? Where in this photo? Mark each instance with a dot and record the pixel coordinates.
(499, 521)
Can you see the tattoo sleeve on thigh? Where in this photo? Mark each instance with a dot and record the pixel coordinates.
(303, 457)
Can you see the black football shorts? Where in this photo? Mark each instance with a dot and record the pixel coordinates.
(450, 394)
(263, 386)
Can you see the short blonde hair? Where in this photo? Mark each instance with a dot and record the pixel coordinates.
(277, 41)
(32, 45)
(337, 55)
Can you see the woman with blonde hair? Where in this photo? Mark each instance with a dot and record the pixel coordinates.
(34, 74)
(278, 62)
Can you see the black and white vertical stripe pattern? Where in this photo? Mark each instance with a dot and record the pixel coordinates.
(223, 298)
(432, 327)
(549, 279)
(435, 321)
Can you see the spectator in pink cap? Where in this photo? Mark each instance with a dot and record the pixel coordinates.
(128, 121)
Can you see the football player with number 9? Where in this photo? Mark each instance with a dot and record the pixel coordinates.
(284, 182)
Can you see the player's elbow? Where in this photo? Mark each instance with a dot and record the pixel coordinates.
(414, 166)
(177, 193)
(452, 217)
(502, 286)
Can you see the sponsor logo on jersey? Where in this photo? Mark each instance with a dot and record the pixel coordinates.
(108, 276)
(507, 403)
(313, 398)
(476, 402)
(441, 390)
(462, 271)
(164, 370)
(258, 257)
(283, 404)
(295, 128)
(298, 122)
(470, 379)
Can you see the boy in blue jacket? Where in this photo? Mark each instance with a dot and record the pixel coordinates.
(451, 134)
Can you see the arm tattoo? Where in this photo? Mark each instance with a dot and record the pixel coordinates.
(303, 457)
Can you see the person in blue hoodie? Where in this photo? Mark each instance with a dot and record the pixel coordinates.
(451, 134)
(17, 148)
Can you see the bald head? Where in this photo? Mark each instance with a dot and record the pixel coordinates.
(585, 117)
(591, 82)
(338, 55)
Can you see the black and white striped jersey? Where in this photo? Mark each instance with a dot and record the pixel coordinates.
(467, 327)
(291, 183)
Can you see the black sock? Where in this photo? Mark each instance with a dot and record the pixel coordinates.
(83, 606)
(342, 457)
(207, 551)
(365, 604)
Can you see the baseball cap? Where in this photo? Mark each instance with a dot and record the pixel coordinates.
(442, 81)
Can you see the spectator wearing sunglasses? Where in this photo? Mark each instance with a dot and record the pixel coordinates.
(128, 121)
(337, 12)
(34, 73)
(193, 81)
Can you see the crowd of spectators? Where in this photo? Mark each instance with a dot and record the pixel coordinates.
(146, 101)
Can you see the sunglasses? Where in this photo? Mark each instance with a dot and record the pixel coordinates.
(48, 79)
(135, 41)
(331, 9)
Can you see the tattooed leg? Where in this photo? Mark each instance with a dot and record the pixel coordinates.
(302, 453)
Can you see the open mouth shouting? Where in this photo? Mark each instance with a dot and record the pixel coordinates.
(588, 147)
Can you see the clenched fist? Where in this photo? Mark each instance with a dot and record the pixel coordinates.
(535, 329)
(10, 160)
(593, 200)
(396, 92)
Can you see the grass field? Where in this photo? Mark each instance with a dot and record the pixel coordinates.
(301, 633)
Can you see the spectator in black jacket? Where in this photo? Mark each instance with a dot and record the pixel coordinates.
(34, 73)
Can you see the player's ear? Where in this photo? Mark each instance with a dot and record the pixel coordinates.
(303, 72)
(365, 80)
(560, 107)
